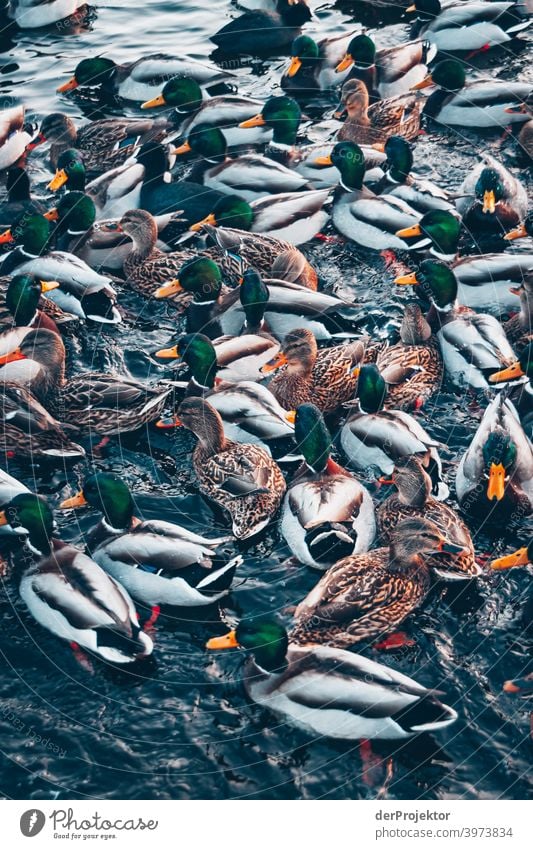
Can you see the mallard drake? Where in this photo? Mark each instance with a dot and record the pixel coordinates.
(141, 79)
(69, 594)
(23, 304)
(413, 498)
(480, 103)
(29, 432)
(28, 14)
(327, 513)
(472, 344)
(365, 596)
(261, 32)
(241, 479)
(492, 200)
(156, 562)
(494, 481)
(226, 112)
(374, 439)
(249, 411)
(521, 557)
(397, 181)
(330, 692)
(466, 26)
(102, 144)
(250, 176)
(96, 402)
(312, 66)
(82, 292)
(359, 214)
(412, 368)
(327, 377)
(13, 136)
(365, 124)
(390, 71)
(98, 244)
(19, 200)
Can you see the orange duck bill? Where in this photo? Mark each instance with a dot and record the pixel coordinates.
(520, 557)
(278, 361)
(228, 641)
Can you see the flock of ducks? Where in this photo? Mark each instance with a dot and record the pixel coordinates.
(222, 246)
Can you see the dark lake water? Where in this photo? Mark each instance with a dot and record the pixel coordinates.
(179, 726)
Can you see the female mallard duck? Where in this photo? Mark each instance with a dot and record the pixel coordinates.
(249, 411)
(480, 103)
(374, 439)
(141, 79)
(69, 594)
(82, 292)
(366, 596)
(360, 215)
(263, 32)
(412, 368)
(96, 401)
(329, 692)
(97, 244)
(23, 302)
(494, 481)
(466, 26)
(365, 124)
(397, 181)
(156, 562)
(192, 111)
(242, 479)
(14, 138)
(472, 344)
(35, 13)
(19, 200)
(390, 71)
(312, 66)
(29, 432)
(525, 136)
(327, 377)
(327, 514)
(102, 144)
(250, 176)
(413, 498)
(491, 201)
(519, 328)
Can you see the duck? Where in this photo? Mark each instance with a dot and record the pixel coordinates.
(492, 201)
(249, 411)
(365, 124)
(479, 103)
(290, 305)
(295, 217)
(242, 479)
(82, 292)
(301, 684)
(524, 229)
(14, 137)
(224, 111)
(494, 479)
(10, 487)
(413, 498)
(140, 80)
(412, 368)
(366, 596)
(327, 377)
(374, 438)
(156, 562)
(23, 303)
(97, 402)
(390, 71)
(519, 389)
(261, 32)
(250, 176)
(360, 215)
(472, 344)
(327, 514)
(521, 557)
(519, 328)
(103, 144)
(30, 433)
(525, 136)
(459, 27)
(19, 200)
(77, 232)
(28, 14)
(60, 579)
(312, 66)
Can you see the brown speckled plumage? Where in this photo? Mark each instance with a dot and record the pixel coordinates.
(398, 116)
